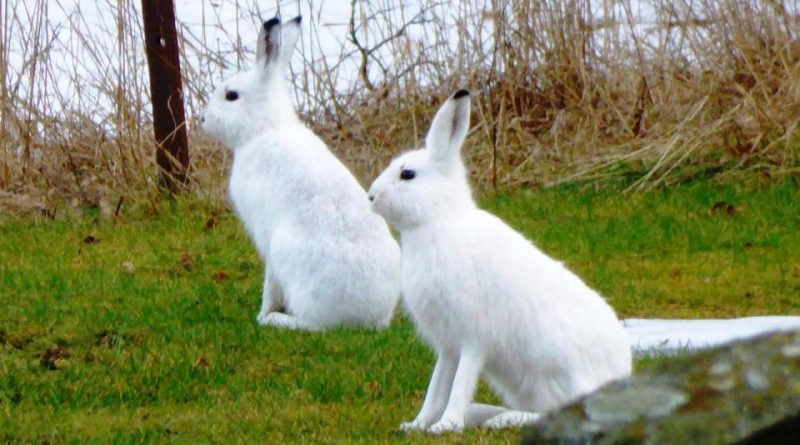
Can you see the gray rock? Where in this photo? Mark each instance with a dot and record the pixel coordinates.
(745, 393)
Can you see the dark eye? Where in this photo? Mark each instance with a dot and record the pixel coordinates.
(231, 96)
(407, 175)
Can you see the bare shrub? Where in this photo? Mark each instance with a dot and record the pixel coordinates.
(655, 91)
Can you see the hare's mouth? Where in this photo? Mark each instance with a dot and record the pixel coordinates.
(375, 205)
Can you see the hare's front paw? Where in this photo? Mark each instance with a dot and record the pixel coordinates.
(446, 425)
(414, 425)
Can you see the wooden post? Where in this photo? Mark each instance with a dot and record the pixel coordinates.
(166, 92)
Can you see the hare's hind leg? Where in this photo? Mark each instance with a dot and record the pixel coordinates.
(497, 417)
(479, 413)
(271, 298)
(274, 313)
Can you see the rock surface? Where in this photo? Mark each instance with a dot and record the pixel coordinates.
(744, 393)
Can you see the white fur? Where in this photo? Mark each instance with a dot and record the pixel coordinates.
(485, 299)
(330, 261)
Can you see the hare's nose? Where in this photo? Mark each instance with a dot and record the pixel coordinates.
(371, 197)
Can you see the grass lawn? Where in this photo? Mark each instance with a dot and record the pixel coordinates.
(143, 329)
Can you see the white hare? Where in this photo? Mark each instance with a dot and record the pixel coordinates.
(330, 260)
(485, 299)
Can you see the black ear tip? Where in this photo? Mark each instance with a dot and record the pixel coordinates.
(461, 93)
(271, 22)
(297, 19)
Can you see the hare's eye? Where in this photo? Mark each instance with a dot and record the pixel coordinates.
(407, 175)
(231, 96)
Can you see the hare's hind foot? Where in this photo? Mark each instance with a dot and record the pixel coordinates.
(511, 419)
(283, 321)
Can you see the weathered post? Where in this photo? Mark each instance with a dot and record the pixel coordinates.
(166, 92)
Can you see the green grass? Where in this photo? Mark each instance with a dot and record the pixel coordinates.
(692, 251)
(148, 333)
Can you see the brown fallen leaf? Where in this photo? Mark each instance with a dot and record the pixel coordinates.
(186, 261)
(724, 207)
(373, 387)
(53, 357)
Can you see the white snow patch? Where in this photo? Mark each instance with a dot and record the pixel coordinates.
(657, 336)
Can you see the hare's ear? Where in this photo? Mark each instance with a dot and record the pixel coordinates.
(290, 32)
(276, 41)
(449, 129)
(269, 41)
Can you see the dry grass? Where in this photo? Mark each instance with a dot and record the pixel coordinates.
(564, 91)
